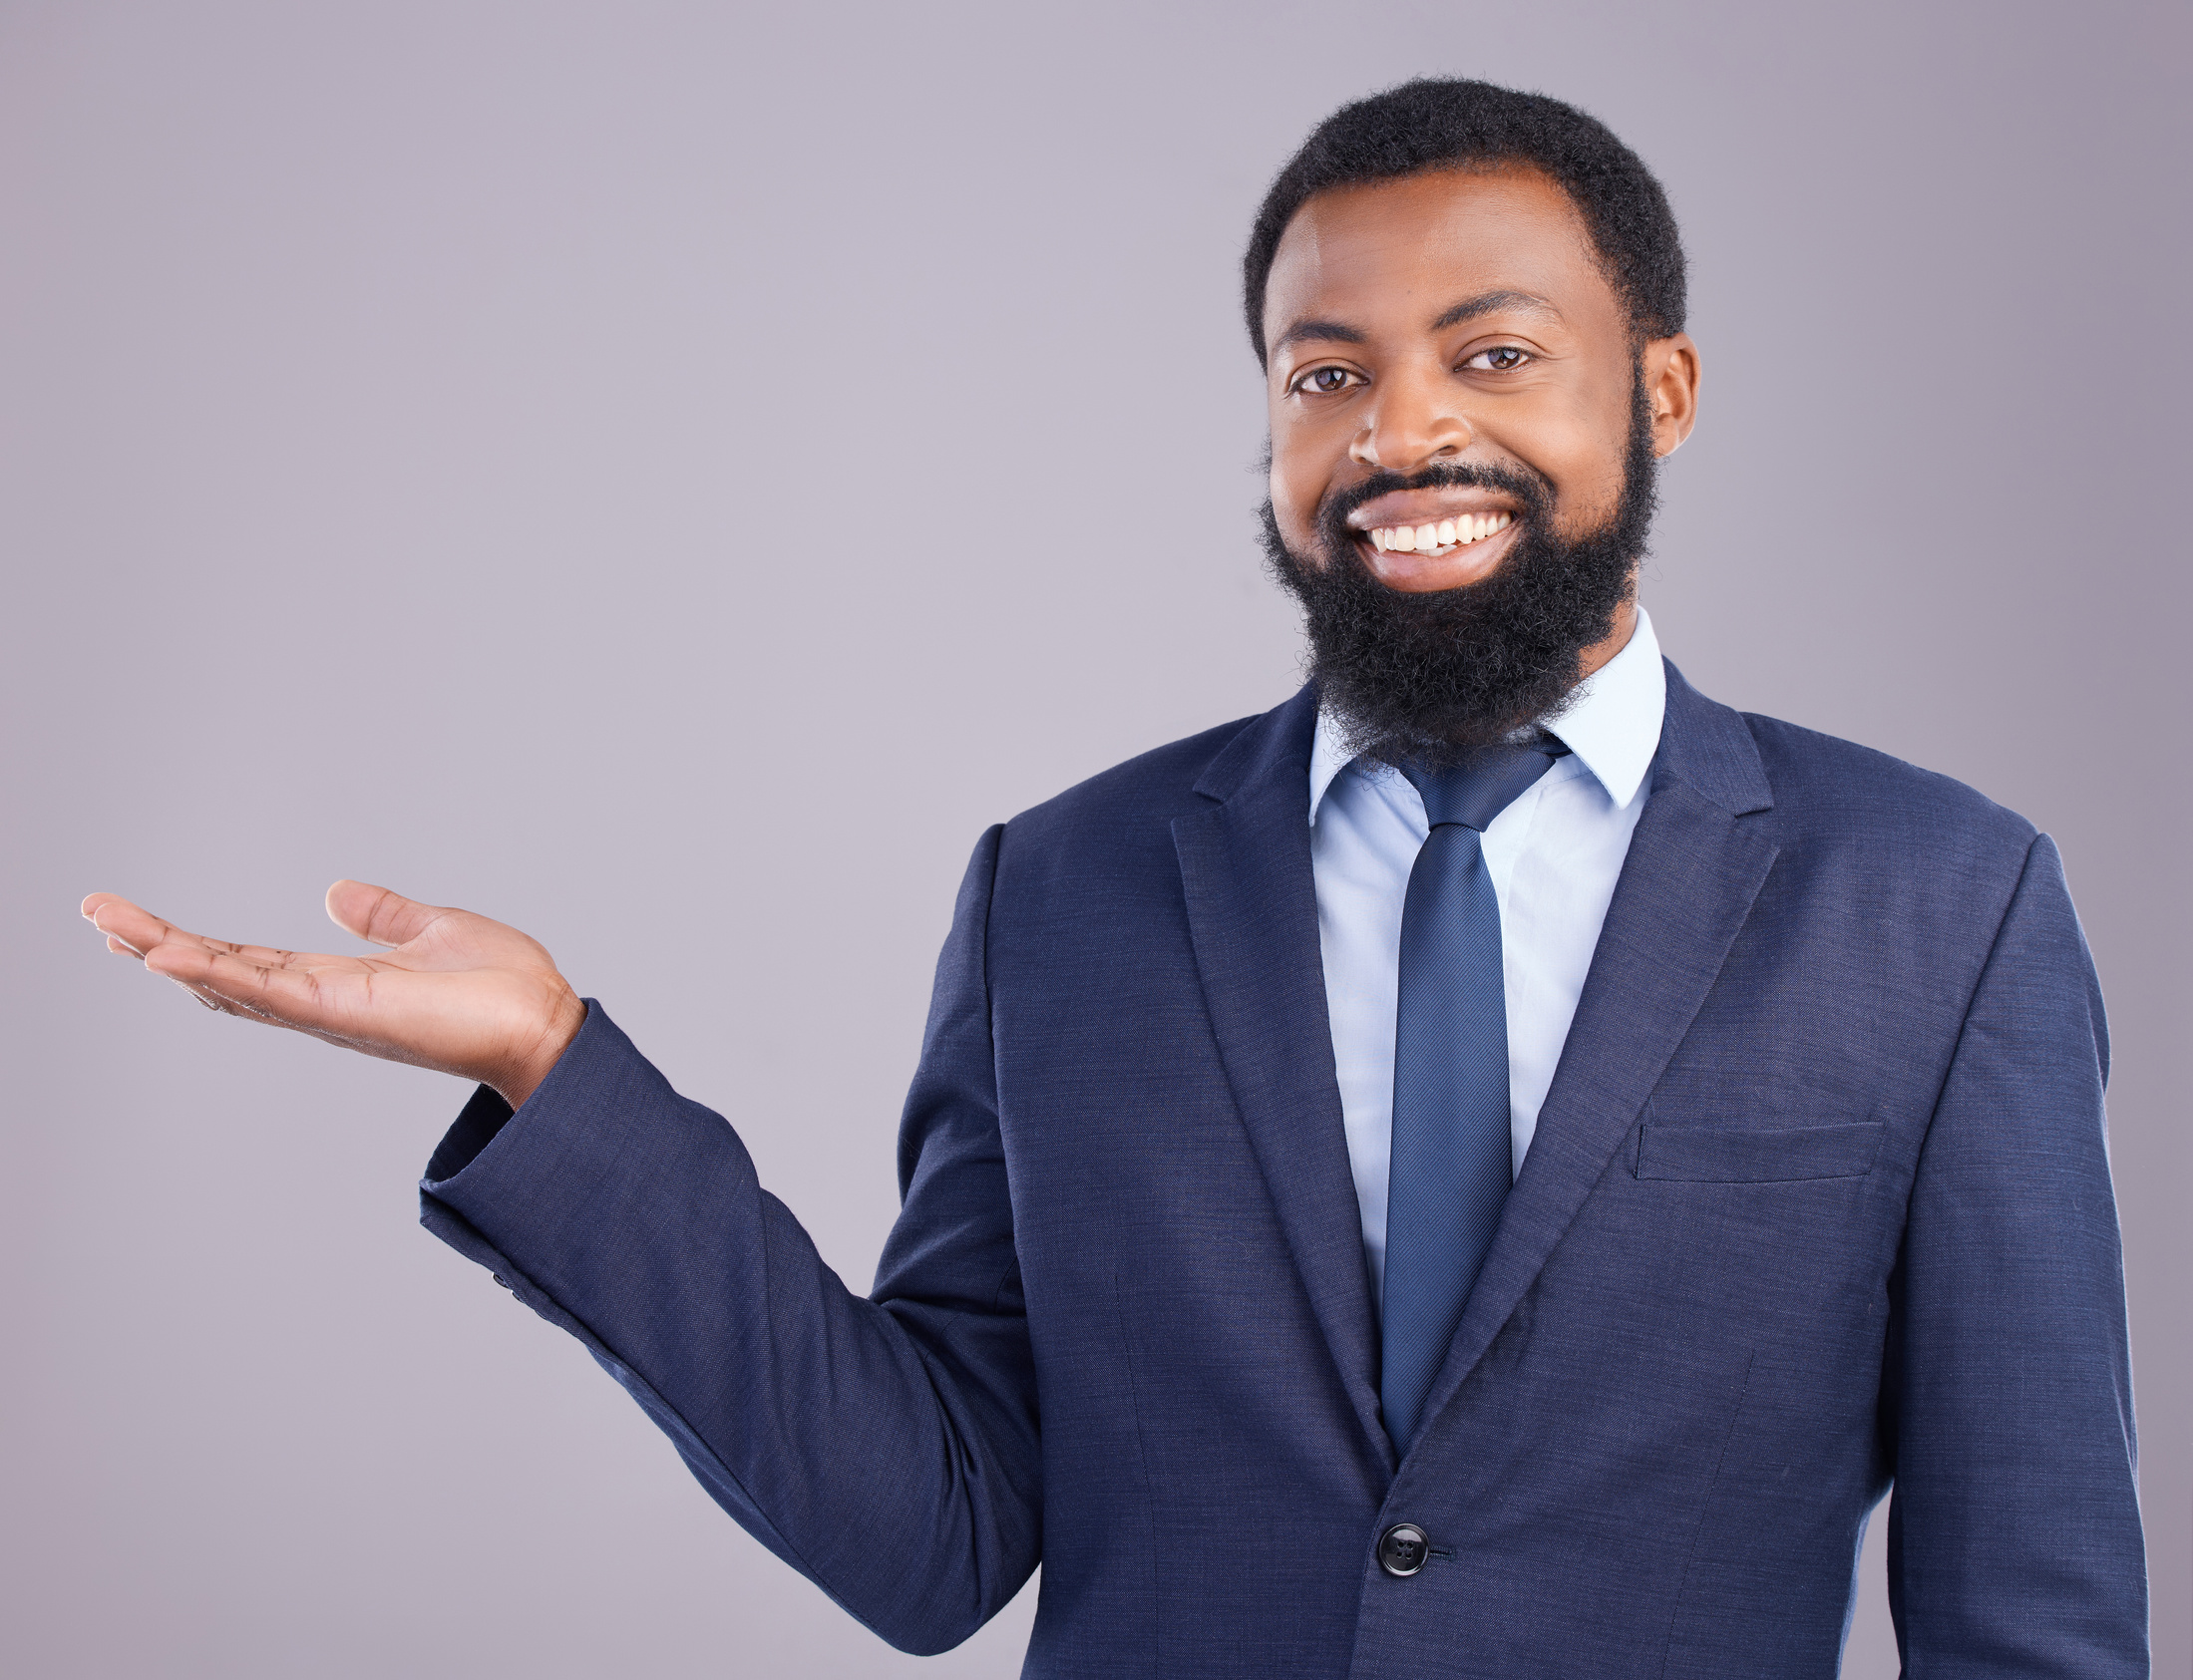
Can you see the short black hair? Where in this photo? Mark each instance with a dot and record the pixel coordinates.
(1433, 123)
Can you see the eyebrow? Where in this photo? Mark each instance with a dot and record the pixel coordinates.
(1484, 303)
(1487, 303)
(1329, 332)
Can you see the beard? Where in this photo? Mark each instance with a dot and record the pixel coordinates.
(1426, 679)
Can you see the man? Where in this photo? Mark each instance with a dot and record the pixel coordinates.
(1490, 1169)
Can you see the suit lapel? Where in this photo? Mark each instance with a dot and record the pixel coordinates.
(1253, 915)
(1694, 868)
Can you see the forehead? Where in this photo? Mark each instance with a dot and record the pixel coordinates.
(1390, 252)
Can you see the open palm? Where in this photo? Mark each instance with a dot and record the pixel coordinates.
(453, 991)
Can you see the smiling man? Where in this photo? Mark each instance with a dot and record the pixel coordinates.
(1491, 1168)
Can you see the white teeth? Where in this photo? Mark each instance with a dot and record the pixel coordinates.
(1436, 538)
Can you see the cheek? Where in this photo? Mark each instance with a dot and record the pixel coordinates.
(1298, 480)
(1583, 456)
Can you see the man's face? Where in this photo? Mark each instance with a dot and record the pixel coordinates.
(1453, 319)
(1464, 438)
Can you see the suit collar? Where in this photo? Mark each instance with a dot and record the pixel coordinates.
(1267, 748)
(1707, 748)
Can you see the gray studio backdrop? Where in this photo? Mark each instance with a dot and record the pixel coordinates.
(668, 476)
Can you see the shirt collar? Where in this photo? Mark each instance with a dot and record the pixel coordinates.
(1611, 725)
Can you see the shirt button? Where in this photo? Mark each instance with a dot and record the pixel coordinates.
(1402, 1549)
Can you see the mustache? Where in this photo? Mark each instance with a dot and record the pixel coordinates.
(1527, 487)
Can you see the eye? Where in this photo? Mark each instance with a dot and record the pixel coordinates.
(1322, 382)
(1500, 358)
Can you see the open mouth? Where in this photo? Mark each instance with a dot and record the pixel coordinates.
(1442, 538)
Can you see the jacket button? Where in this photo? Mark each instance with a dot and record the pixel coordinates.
(1402, 1549)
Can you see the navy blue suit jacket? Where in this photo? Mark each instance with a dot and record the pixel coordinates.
(1818, 1199)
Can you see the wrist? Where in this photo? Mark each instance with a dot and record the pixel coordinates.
(519, 1080)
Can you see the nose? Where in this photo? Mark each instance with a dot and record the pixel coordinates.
(1412, 424)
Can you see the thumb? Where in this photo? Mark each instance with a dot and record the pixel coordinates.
(377, 915)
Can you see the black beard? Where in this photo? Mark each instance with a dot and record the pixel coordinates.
(1425, 679)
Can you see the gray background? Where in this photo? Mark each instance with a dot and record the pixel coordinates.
(668, 475)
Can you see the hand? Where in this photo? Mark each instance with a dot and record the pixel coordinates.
(455, 992)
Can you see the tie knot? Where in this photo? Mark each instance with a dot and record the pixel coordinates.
(1486, 782)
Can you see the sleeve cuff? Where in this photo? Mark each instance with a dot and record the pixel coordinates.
(481, 1119)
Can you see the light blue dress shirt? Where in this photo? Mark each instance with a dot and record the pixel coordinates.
(1552, 855)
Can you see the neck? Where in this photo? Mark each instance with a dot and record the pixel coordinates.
(1626, 625)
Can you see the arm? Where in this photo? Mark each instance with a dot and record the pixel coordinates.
(2014, 1533)
(885, 1448)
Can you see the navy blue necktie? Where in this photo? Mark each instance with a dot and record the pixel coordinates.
(1450, 1164)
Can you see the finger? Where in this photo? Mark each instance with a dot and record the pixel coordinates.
(297, 1002)
(140, 931)
(122, 949)
(236, 1001)
(377, 915)
(137, 928)
(243, 1011)
(290, 996)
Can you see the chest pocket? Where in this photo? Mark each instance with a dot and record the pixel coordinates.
(1721, 1154)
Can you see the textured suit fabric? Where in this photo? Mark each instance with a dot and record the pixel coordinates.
(1818, 1198)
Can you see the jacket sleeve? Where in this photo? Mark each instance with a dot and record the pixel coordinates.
(884, 1448)
(2013, 1530)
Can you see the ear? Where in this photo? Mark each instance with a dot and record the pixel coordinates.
(1670, 369)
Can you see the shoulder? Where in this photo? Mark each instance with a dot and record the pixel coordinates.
(1830, 790)
(1156, 786)
(1110, 840)
(1081, 867)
